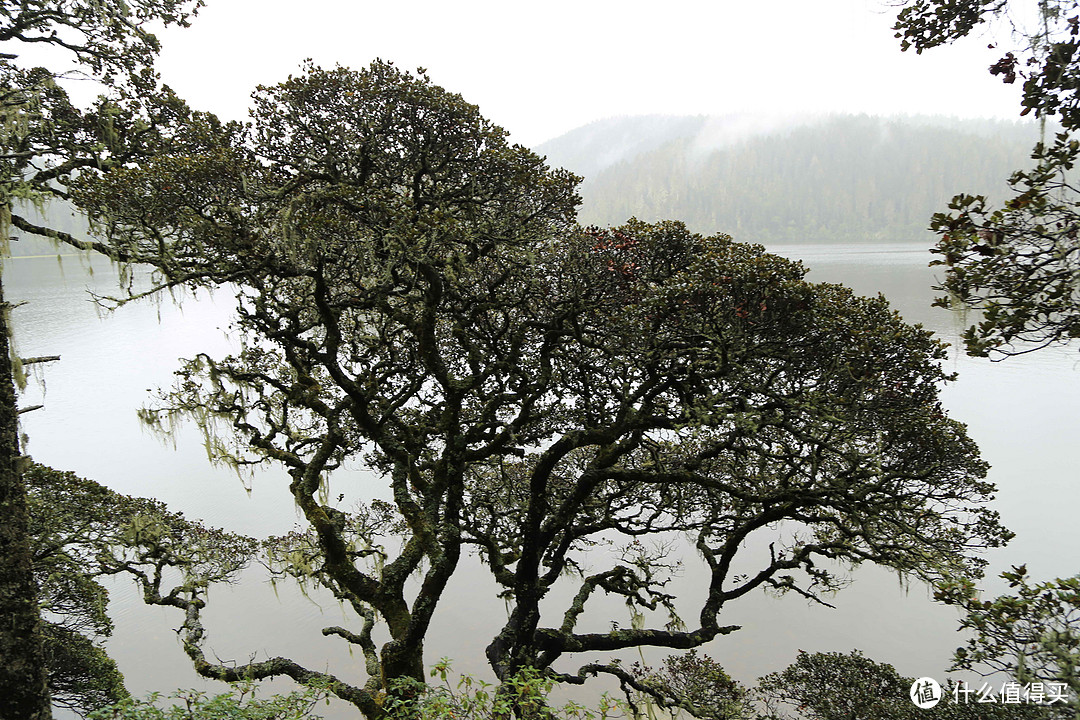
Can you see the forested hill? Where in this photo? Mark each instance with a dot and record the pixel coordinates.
(841, 178)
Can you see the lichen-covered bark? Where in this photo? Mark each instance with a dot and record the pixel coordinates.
(24, 692)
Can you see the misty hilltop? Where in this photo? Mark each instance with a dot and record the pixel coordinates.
(839, 178)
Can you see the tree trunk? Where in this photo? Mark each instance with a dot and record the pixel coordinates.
(24, 693)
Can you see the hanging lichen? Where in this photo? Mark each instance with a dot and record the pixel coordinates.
(18, 371)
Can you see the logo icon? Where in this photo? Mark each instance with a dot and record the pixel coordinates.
(925, 693)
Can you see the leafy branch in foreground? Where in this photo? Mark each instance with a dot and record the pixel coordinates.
(1033, 633)
(241, 704)
(1018, 264)
(696, 684)
(523, 695)
(80, 531)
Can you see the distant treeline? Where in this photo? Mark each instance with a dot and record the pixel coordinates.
(840, 179)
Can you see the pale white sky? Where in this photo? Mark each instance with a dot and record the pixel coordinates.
(540, 69)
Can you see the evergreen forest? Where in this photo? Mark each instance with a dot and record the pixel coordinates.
(834, 179)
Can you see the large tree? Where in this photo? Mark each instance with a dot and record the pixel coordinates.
(416, 299)
(44, 140)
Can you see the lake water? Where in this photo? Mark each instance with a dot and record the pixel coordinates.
(1024, 413)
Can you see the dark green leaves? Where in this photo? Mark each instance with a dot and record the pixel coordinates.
(1032, 632)
(1018, 264)
(81, 530)
(925, 24)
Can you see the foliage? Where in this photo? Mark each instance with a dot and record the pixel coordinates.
(1034, 633)
(839, 686)
(416, 300)
(82, 676)
(106, 533)
(525, 694)
(45, 138)
(107, 40)
(1047, 55)
(923, 24)
(241, 704)
(697, 684)
(81, 530)
(1019, 263)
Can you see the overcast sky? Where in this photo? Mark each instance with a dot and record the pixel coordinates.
(541, 69)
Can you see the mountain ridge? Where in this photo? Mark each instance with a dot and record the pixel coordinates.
(833, 178)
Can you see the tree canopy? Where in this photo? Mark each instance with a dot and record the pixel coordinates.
(82, 677)
(846, 686)
(416, 299)
(837, 686)
(240, 704)
(46, 139)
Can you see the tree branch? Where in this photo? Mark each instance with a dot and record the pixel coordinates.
(41, 359)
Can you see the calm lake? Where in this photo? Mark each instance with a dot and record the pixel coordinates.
(1024, 413)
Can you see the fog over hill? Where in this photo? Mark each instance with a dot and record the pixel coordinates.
(789, 179)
